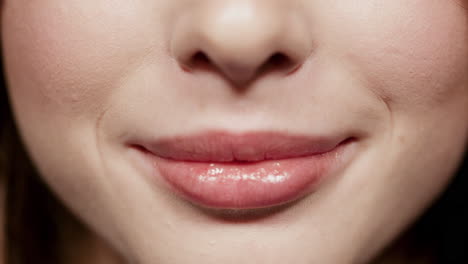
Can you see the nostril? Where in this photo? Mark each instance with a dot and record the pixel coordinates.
(239, 72)
(199, 61)
(200, 57)
(277, 62)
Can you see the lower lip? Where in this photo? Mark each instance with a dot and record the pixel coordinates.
(248, 185)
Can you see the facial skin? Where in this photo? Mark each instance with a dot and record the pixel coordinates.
(85, 76)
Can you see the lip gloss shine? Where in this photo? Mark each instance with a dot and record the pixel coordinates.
(222, 170)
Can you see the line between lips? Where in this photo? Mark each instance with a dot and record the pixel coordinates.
(253, 185)
(226, 147)
(212, 181)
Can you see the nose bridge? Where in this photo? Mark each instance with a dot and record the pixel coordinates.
(239, 38)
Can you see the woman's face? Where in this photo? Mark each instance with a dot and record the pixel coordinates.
(101, 88)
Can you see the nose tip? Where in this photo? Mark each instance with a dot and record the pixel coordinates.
(241, 40)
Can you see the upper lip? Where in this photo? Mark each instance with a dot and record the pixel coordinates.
(219, 146)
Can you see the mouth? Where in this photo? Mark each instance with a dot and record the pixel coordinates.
(221, 170)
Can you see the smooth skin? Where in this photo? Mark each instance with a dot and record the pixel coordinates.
(86, 76)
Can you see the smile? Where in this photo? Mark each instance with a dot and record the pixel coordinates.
(252, 170)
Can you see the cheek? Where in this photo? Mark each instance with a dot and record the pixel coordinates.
(69, 57)
(415, 55)
(415, 58)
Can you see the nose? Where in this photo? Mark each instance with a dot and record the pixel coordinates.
(241, 39)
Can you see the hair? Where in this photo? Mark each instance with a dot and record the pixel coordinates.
(31, 211)
(34, 217)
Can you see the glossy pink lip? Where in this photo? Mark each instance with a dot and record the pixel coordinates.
(251, 170)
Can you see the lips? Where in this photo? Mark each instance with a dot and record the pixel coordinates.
(245, 171)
